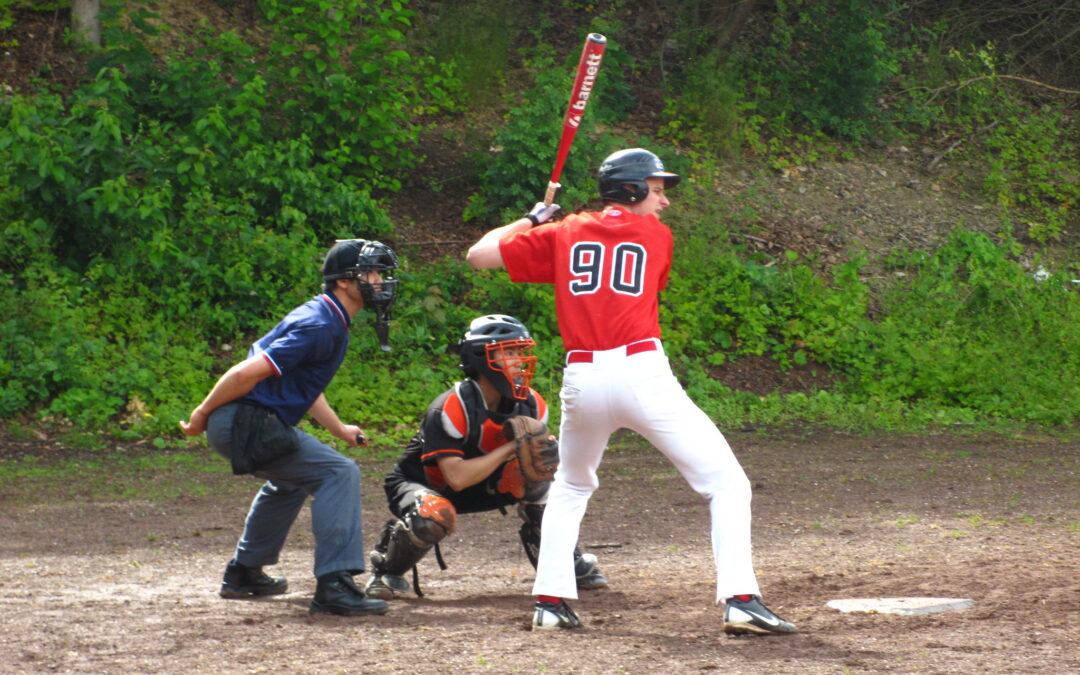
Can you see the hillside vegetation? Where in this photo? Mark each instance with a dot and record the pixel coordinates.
(877, 229)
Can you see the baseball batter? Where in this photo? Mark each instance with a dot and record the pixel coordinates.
(608, 268)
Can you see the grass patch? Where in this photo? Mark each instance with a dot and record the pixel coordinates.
(116, 475)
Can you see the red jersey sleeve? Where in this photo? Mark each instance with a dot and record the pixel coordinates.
(530, 256)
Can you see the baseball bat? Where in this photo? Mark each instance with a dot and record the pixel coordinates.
(588, 68)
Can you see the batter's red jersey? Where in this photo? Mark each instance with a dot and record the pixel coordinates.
(608, 269)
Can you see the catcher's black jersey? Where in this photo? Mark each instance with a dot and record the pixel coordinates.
(458, 423)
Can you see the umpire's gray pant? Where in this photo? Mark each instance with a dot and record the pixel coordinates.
(316, 469)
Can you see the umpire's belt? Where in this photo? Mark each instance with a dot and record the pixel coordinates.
(582, 356)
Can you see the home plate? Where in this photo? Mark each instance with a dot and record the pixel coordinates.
(909, 606)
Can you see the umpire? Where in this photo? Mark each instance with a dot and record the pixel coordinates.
(250, 415)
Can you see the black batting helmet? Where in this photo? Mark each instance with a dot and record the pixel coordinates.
(623, 175)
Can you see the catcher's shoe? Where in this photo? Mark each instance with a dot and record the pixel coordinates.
(386, 586)
(552, 615)
(246, 582)
(589, 576)
(752, 617)
(337, 593)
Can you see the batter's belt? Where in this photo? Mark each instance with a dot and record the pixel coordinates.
(583, 356)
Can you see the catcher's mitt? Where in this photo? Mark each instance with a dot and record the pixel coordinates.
(537, 452)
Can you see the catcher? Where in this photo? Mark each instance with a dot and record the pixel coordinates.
(482, 445)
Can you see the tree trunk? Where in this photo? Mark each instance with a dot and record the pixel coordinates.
(85, 23)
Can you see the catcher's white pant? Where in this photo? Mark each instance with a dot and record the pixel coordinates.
(639, 392)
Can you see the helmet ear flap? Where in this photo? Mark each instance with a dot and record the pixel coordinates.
(635, 192)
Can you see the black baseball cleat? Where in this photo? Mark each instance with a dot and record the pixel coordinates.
(242, 581)
(752, 617)
(552, 615)
(337, 593)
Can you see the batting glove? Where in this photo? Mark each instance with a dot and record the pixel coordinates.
(541, 213)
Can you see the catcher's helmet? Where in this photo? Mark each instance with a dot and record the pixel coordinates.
(623, 175)
(512, 374)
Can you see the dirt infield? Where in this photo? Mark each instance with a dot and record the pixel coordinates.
(130, 586)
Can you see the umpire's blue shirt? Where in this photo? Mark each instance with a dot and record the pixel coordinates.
(305, 350)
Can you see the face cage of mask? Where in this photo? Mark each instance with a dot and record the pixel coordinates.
(518, 382)
(380, 301)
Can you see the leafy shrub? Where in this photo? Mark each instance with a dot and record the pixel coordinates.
(523, 151)
(966, 327)
(1024, 152)
(173, 201)
(703, 112)
(722, 304)
(822, 63)
(1032, 165)
(474, 40)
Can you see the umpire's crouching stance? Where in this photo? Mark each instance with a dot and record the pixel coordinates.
(250, 415)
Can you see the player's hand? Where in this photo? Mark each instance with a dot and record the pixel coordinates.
(542, 213)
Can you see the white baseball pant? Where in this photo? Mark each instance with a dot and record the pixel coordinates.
(640, 393)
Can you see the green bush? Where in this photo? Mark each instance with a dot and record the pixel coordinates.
(514, 176)
(157, 218)
(173, 202)
(1024, 150)
(823, 64)
(1033, 170)
(967, 327)
(721, 303)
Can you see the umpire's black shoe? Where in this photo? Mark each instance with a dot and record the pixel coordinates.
(337, 593)
(752, 617)
(247, 582)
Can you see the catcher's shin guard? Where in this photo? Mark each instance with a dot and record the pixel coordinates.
(406, 540)
(532, 515)
(586, 568)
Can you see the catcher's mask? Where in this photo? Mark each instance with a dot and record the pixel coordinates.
(623, 176)
(499, 348)
(352, 259)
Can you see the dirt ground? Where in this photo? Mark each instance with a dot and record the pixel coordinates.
(130, 586)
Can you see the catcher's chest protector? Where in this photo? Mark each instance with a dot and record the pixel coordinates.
(477, 413)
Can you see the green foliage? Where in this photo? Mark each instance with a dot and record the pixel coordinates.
(1032, 165)
(173, 201)
(720, 304)
(9, 7)
(160, 216)
(962, 336)
(703, 112)
(822, 63)
(7, 20)
(474, 41)
(1027, 153)
(967, 327)
(514, 175)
